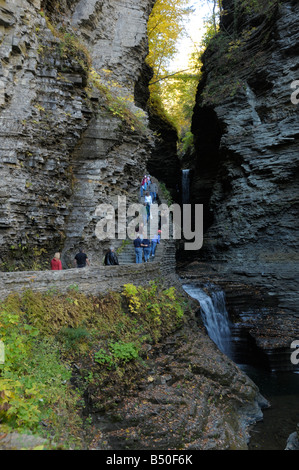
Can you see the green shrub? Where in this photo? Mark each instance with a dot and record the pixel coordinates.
(44, 334)
(101, 357)
(34, 384)
(124, 352)
(160, 311)
(120, 353)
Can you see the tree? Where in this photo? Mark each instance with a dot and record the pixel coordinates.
(173, 94)
(165, 26)
(178, 96)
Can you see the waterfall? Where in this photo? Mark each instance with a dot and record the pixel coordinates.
(214, 315)
(185, 186)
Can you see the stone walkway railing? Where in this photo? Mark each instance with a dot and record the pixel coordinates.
(90, 280)
(94, 280)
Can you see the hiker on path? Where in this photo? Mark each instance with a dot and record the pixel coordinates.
(154, 242)
(81, 259)
(148, 201)
(143, 186)
(138, 250)
(56, 263)
(144, 213)
(146, 244)
(111, 258)
(153, 189)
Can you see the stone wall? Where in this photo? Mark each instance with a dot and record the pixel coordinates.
(89, 280)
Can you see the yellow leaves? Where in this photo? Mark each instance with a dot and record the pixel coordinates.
(176, 94)
(131, 293)
(164, 29)
(6, 394)
(160, 310)
(39, 107)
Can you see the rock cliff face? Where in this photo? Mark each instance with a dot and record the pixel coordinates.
(65, 146)
(164, 162)
(246, 165)
(191, 397)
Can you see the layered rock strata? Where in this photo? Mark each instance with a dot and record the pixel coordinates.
(246, 165)
(190, 397)
(64, 148)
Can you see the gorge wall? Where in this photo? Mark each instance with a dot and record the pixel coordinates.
(67, 143)
(245, 168)
(73, 135)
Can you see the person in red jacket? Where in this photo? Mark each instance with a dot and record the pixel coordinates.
(56, 263)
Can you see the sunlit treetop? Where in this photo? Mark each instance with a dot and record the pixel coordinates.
(165, 27)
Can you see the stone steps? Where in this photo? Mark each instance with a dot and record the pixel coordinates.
(127, 256)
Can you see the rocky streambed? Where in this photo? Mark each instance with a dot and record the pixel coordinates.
(256, 305)
(259, 338)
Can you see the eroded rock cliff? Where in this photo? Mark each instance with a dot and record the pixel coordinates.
(68, 141)
(246, 165)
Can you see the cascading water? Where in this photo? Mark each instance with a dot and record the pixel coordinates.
(214, 315)
(185, 186)
(280, 389)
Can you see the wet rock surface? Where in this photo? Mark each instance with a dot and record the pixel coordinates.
(254, 306)
(190, 397)
(62, 151)
(245, 170)
(293, 441)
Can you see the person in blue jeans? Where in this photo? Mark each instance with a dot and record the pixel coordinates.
(154, 243)
(146, 244)
(143, 185)
(138, 250)
(153, 189)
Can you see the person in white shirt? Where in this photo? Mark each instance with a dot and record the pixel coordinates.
(148, 201)
(148, 198)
